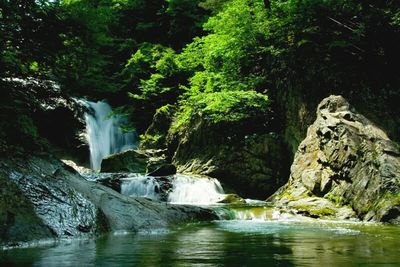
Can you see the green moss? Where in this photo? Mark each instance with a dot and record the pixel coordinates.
(166, 109)
(315, 210)
(155, 135)
(388, 199)
(151, 140)
(338, 200)
(225, 106)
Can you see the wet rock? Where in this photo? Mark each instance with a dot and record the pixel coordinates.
(41, 197)
(155, 136)
(232, 199)
(137, 161)
(346, 160)
(114, 182)
(321, 208)
(43, 204)
(157, 158)
(164, 170)
(127, 161)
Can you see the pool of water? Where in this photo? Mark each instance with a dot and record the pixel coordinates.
(226, 243)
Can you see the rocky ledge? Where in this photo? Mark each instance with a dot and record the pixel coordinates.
(345, 167)
(41, 197)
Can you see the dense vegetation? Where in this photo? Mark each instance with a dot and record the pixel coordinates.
(145, 54)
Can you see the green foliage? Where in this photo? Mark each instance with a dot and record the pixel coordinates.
(28, 34)
(108, 49)
(153, 79)
(231, 55)
(155, 135)
(225, 106)
(17, 129)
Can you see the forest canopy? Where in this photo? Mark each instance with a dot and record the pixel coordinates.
(149, 53)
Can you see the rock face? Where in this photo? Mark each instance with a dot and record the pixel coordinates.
(127, 161)
(250, 164)
(33, 110)
(138, 161)
(295, 107)
(348, 161)
(164, 170)
(155, 135)
(41, 197)
(39, 203)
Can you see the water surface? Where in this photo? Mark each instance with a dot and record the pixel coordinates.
(227, 243)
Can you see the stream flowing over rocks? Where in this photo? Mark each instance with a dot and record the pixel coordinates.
(345, 166)
(50, 199)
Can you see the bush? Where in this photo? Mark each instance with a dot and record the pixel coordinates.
(219, 107)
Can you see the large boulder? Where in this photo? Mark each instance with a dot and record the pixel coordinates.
(138, 161)
(348, 161)
(228, 136)
(127, 161)
(37, 202)
(155, 136)
(295, 103)
(41, 197)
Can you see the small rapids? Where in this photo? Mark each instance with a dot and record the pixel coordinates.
(179, 188)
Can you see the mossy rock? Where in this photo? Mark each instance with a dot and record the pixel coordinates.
(346, 160)
(127, 161)
(155, 136)
(228, 136)
(232, 199)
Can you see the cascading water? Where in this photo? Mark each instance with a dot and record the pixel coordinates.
(103, 132)
(187, 189)
(176, 189)
(136, 185)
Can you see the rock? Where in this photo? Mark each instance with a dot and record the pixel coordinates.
(138, 161)
(41, 197)
(155, 136)
(347, 160)
(35, 114)
(232, 199)
(127, 161)
(238, 146)
(321, 208)
(295, 106)
(18, 221)
(164, 170)
(40, 203)
(157, 158)
(113, 181)
(251, 166)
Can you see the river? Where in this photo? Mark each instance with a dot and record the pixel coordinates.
(282, 242)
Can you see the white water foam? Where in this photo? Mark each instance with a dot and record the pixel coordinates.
(183, 189)
(103, 132)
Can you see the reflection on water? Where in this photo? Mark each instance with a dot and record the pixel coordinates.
(227, 243)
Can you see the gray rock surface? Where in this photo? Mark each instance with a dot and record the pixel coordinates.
(347, 160)
(57, 209)
(51, 200)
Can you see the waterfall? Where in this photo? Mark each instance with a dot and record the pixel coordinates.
(187, 189)
(175, 189)
(136, 185)
(103, 132)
